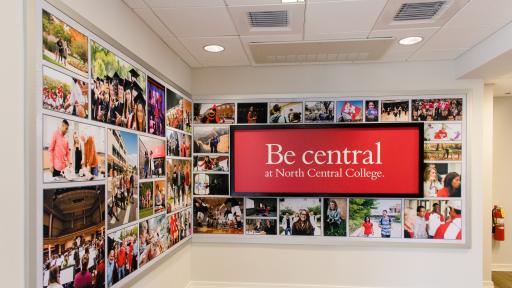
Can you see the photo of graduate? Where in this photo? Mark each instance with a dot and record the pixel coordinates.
(218, 215)
(118, 92)
(222, 113)
(211, 184)
(319, 112)
(349, 111)
(156, 108)
(174, 113)
(122, 254)
(251, 113)
(65, 94)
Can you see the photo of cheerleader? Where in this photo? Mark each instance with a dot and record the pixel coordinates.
(394, 111)
(207, 163)
(179, 184)
(218, 215)
(437, 109)
(154, 238)
(223, 113)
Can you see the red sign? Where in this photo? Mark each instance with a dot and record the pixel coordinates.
(350, 160)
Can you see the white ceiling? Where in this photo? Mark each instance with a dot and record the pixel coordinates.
(187, 26)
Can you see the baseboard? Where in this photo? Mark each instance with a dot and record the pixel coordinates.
(210, 284)
(487, 284)
(502, 267)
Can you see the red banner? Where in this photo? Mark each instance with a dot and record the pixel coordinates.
(366, 160)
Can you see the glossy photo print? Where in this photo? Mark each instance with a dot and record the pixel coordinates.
(156, 108)
(151, 157)
(218, 215)
(211, 163)
(174, 110)
(261, 226)
(251, 113)
(433, 219)
(64, 46)
(122, 254)
(211, 184)
(153, 235)
(159, 196)
(349, 111)
(442, 151)
(122, 184)
(335, 216)
(394, 111)
(375, 218)
(146, 200)
(371, 111)
(319, 112)
(74, 236)
(65, 94)
(300, 216)
(187, 116)
(72, 151)
(443, 132)
(178, 144)
(285, 112)
(442, 180)
(211, 139)
(449, 109)
(179, 184)
(222, 113)
(261, 207)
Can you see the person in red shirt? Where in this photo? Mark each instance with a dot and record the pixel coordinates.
(121, 261)
(251, 116)
(451, 186)
(367, 227)
(452, 229)
(130, 256)
(59, 150)
(83, 279)
(441, 133)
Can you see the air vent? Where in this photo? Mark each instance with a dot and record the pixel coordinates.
(418, 11)
(268, 19)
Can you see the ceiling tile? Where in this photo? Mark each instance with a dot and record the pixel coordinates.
(464, 38)
(233, 55)
(246, 40)
(135, 4)
(341, 20)
(197, 21)
(253, 2)
(401, 52)
(476, 13)
(425, 54)
(183, 3)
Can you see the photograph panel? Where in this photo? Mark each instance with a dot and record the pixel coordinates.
(442, 151)
(152, 152)
(449, 109)
(251, 113)
(211, 184)
(371, 110)
(285, 112)
(261, 207)
(335, 216)
(220, 113)
(375, 218)
(394, 111)
(218, 215)
(211, 139)
(211, 163)
(122, 254)
(146, 200)
(178, 144)
(174, 110)
(187, 116)
(433, 219)
(156, 108)
(261, 226)
(179, 184)
(442, 180)
(442, 132)
(300, 216)
(154, 238)
(319, 112)
(349, 111)
(65, 94)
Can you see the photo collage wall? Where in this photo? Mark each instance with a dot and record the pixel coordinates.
(436, 218)
(116, 160)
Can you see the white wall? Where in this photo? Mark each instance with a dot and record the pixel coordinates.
(355, 266)
(502, 251)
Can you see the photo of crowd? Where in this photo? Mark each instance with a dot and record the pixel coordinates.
(159, 196)
(442, 180)
(394, 111)
(65, 94)
(146, 199)
(300, 216)
(154, 238)
(442, 132)
(178, 144)
(375, 218)
(335, 217)
(349, 111)
(74, 237)
(211, 184)
(174, 113)
(251, 113)
(156, 108)
(118, 94)
(151, 157)
(261, 226)
(72, 151)
(64, 46)
(179, 184)
(319, 112)
(442, 152)
(433, 219)
(223, 113)
(218, 215)
(208, 163)
(122, 196)
(211, 139)
(261, 207)
(122, 254)
(187, 116)
(437, 109)
(371, 113)
(285, 112)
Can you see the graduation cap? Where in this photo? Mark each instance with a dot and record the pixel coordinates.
(127, 85)
(136, 87)
(134, 73)
(97, 79)
(139, 99)
(108, 78)
(116, 76)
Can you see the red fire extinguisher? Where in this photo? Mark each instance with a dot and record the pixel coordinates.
(498, 223)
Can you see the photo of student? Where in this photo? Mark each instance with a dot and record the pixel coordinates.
(381, 217)
(179, 184)
(223, 113)
(437, 109)
(74, 253)
(442, 151)
(146, 200)
(371, 113)
(72, 151)
(151, 158)
(156, 108)
(261, 207)
(251, 113)
(442, 180)
(187, 116)
(218, 215)
(261, 226)
(122, 196)
(174, 115)
(349, 111)
(122, 254)
(154, 238)
(64, 46)
(174, 231)
(319, 112)
(159, 196)
(394, 111)
(335, 217)
(184, 224)
(65, 94)
(442, 132)
(211, 184)
(434, 219)
(178, 144)
(300, 216)
(285, 112)
(211, 139)
(118, 95)
(207, 163)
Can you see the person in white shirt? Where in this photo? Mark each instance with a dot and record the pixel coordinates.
(434, 220)
(420, 227)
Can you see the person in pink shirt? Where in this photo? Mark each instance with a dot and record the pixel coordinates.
(59, 150)
(83, 279)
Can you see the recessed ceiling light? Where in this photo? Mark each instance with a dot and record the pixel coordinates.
(410, 40)
(213, 48)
